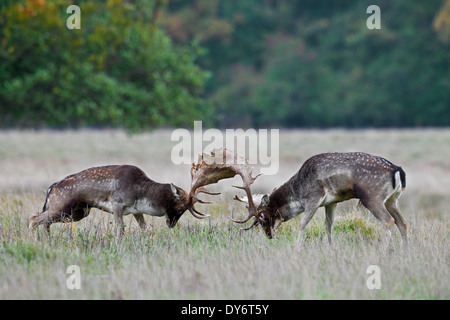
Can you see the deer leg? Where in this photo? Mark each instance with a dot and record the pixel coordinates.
(140, 219)
(306, 218)
(376, 206)
(329, 218)
(46, 218)
(118, 218)
(37, 220)
(392, 207)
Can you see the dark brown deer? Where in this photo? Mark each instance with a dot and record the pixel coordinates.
(327, 179)
(120, 190)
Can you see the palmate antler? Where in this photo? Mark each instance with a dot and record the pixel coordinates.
(221, 164)
(193, 199)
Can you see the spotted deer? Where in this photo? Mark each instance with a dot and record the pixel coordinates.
(326, 179)
(120, 190)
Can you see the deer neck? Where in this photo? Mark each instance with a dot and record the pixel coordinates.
(154, 199)
(285, 201)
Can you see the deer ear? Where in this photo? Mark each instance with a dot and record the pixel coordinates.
(174, 190)
(265, 200)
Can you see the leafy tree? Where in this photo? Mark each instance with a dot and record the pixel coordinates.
(118, 70)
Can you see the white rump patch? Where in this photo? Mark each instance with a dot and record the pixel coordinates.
(397, 188)
(398, 181)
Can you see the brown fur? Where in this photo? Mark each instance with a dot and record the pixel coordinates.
(114, 189)
(329, 178)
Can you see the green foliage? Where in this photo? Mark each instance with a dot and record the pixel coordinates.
(118, 70)
(24, 252)
(441, 23)
(350, 227)
(316, 64)
(274, 63)
(357, 227)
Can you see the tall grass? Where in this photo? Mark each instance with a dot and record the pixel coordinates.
(215, 259)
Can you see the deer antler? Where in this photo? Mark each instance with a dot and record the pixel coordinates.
(246, 175)
(221, 164)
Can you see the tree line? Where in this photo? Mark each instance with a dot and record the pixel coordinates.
(256, 63)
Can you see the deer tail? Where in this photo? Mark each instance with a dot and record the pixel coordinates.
(399, 178)
(49, 190)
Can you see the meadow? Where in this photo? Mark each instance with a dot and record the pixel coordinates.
(213, 258)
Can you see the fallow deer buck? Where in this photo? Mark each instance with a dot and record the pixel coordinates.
(327, 179)
(120, 190)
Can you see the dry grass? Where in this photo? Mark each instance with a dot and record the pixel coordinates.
(213, 258)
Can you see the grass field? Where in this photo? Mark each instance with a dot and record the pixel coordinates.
(213, 258)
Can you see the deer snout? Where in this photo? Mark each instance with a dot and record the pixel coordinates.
(171, 221)
(269, 231)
